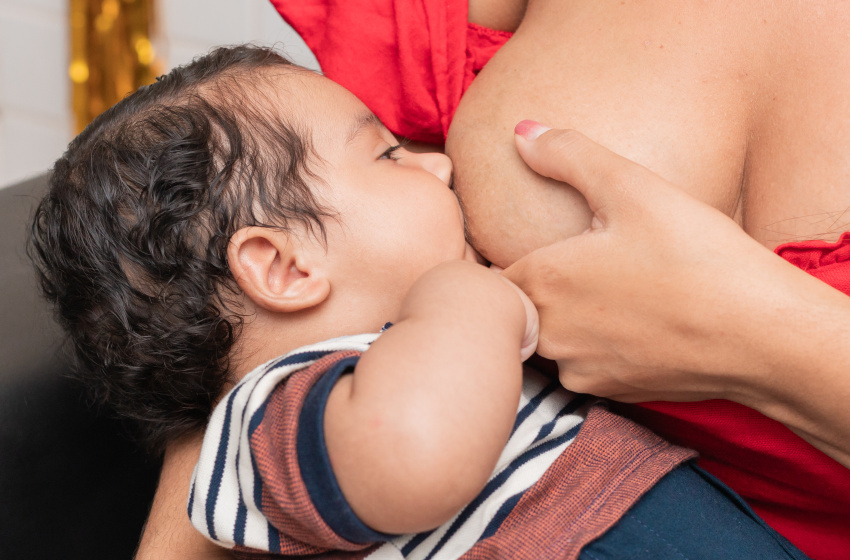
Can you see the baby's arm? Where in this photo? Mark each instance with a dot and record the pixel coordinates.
(414, 434)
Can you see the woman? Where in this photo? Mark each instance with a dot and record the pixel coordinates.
(742, 106)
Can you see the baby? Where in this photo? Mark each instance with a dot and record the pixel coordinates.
(224, 238)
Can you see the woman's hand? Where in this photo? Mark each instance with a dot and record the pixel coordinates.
(627, 306)
(666, 298)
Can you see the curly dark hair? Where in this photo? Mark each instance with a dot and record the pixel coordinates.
(130, 242)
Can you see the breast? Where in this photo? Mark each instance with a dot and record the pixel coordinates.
(697, 92)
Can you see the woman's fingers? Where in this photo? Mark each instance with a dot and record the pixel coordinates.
(607, 180)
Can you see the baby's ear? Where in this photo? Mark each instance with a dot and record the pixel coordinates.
(276, 271)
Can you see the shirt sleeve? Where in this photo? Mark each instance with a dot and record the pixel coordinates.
(315, 466)
(301, 498)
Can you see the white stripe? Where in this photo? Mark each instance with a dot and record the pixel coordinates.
(202, 475)
(386, 552)
(228, 493)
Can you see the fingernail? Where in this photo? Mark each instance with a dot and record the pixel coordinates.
(530, 130)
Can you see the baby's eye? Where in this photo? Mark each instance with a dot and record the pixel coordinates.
(389, 153)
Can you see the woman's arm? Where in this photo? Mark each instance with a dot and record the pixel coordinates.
(666, 298)
(415, 433)
(168, 534)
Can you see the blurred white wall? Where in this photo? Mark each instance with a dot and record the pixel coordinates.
(35, 104)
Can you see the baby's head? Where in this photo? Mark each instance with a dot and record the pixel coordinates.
(236, 195)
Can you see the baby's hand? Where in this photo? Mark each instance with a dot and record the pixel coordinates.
(532, 320)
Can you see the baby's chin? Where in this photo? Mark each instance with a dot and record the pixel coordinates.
(470, 254)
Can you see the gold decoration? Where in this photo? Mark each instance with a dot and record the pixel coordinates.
(112, 53)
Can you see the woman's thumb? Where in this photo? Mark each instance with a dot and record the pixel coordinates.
(570, 157)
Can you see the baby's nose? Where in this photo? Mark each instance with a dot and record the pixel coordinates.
(437, 164)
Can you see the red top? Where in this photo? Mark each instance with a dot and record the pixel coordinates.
(410, 61)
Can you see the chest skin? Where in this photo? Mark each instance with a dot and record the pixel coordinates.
(745, 105)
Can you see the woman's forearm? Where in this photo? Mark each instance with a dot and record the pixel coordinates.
(806, 335)
(168, 534)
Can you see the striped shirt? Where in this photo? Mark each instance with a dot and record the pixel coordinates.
(263, 485)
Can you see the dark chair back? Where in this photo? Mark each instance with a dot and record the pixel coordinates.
(71, 485)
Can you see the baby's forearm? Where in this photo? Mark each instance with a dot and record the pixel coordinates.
(415, 433)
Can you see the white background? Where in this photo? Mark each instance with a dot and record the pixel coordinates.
(36, 122)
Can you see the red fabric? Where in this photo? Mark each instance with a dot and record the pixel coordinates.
(829, 262)
(409, 61)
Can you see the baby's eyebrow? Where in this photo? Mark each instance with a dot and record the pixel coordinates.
(367, 120)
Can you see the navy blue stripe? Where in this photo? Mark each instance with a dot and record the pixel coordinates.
(499, 480)
(218, 470)
(256, 418)
(533, 404)
(500, 516)
(414, 542)
(568, 409)
(315, 465)
(546, 429)
(241, 522)
(191, 498)
(578, 401)
(241, 510)
(274, 539)
(258, 485)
